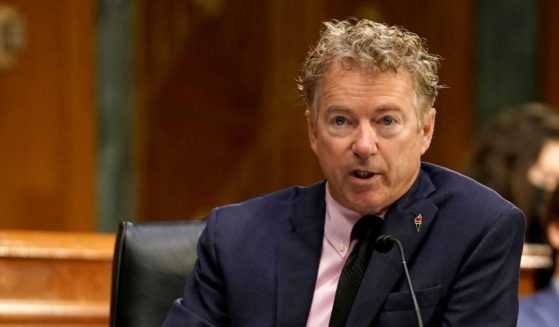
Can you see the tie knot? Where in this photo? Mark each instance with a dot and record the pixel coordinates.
(366, 226)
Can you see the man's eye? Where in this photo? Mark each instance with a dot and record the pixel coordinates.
(340, 120)
(387, 120)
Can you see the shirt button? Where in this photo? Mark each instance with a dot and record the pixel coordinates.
(341, 247)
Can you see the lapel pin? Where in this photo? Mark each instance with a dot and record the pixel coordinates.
(418, 220)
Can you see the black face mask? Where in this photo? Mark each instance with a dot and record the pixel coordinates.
(535, 229)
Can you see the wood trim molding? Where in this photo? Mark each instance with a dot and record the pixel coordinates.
(55, 278)
(56, 245)
(51, 311)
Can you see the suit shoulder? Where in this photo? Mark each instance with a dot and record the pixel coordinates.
(460, 191)
(236, 225)
(274, 204)
(285, 195)
(449, 181)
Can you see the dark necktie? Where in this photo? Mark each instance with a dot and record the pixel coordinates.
(366, 230)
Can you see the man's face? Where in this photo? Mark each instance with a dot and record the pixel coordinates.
(366, 138)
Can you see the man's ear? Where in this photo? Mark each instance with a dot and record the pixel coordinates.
(311, 130)
(428, 130)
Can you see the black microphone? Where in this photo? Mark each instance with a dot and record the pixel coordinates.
(384, 244)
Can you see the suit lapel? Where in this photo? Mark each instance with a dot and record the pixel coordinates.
(385, 269)
(299, 257)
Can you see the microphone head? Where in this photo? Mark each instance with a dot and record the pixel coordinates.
(384, 243)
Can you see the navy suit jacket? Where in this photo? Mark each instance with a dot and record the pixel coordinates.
(258, 260)
(540, 309)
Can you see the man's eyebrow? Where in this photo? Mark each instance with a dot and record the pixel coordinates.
(387, 108)
(337, 109)
(381, 109)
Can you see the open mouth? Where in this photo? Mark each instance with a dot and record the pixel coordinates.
(361, 174)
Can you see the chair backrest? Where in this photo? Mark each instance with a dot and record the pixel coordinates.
(151, 261)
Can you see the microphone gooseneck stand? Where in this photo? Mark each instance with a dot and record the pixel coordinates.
(384, 244)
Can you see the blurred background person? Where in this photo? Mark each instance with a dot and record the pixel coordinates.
(541, 308)
(518, 157)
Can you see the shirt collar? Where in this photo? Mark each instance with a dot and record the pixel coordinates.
(339, 221)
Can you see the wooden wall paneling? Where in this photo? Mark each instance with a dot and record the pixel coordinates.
(550, 66)
(284, 140)
(199, 117)
(47, 120)
(278, 154)
(78, 91)
(450, 34)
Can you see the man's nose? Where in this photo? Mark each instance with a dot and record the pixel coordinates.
(365, 143)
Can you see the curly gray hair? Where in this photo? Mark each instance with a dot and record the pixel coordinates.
(378, 47)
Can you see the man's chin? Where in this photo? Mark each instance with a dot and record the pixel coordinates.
(367, 207)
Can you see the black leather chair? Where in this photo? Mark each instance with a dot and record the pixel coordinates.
(151, 261)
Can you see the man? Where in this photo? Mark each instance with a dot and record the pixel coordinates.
(277, 260)
(540, 308)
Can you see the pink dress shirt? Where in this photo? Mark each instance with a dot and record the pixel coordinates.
(335, 248)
